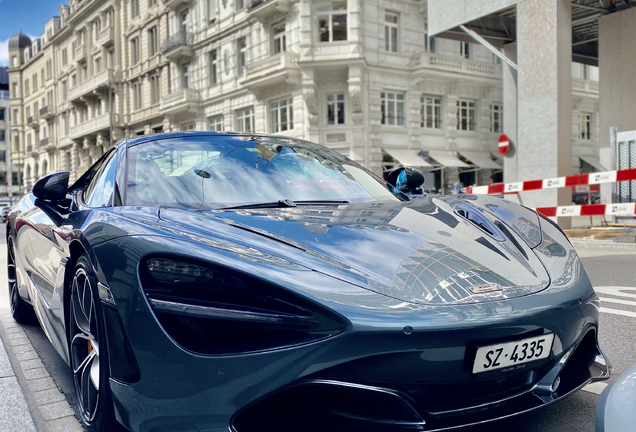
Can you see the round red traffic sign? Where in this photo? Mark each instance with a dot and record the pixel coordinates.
(504, 144)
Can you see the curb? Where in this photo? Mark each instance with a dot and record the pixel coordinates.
(603, 244)
(48, 406)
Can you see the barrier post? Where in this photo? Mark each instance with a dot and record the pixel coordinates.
(613, 164)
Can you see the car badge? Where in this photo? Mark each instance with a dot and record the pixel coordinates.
(482, 289)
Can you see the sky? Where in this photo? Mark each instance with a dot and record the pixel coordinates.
(31, 14)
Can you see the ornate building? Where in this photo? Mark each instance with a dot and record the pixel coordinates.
(361, 77)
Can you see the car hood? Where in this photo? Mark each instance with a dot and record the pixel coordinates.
(421, 251)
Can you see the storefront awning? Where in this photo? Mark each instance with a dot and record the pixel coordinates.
(447, 159)
(407, 158)
(482, 160)
(594, 161)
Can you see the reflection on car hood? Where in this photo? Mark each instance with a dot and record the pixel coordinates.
(421, 251)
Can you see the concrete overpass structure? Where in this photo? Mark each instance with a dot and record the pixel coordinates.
(540, 39)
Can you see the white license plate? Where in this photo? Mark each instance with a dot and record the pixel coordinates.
(510, 354)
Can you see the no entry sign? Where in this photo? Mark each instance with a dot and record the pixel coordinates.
(504, 144)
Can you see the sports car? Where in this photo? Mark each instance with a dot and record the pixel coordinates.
(212, 282)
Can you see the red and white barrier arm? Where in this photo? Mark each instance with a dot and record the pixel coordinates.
(560, 182)
(620, 209)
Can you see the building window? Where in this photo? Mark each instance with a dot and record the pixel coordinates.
(73, 80)
(465, 115)
(26, 87)
(240, 4)
(1, 114)
(391, 31)
(16, 117)
(429, 41)
(280, 38)
(186, 73)
(14, 61)
(97, 27)
(110, 59)
(49, 69)
(155, 92)
(241, 50)
(336, 109)
(187, 127)
(64, 57)
(134, 8)
(585, 126)
(213, 63)
(152, 41)
(134, 51)
(431, 111)
(110, 17)
(464, 50)
(14, 178)
(2, 135)
(151, 3)
(14, 89)
(330, 21)
(245, 120)
(496, 118)
(212, 10)
(392, 108)
(282, 112)
(216, 123)
(136, 87)
(98, 65)
(84, 73)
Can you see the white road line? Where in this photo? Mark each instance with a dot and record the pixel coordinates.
(596, 388)
(619, 312)
(617, 291)
(613, 300)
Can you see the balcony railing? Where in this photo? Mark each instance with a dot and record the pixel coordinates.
(45, 113)
(33, 121)
(107, 35)
(175, 4)
(44, 142)
(29, 148)
(100, 80)
(92, 126)
(177, 46)
(80, 53)
(180, 101)
(426, 60)
(271, 70)
(263, 9)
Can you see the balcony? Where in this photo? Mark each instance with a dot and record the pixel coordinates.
(177, 47)
(583, 86)
(107, 36)
(80, 54)
(432, 61)
(46, 114)
(98, 82)
(92, 126)
(180, 102)
(175, 4)
(33, 122)
(261, 10)
(29, 149)
(44, 142)
(276, 69)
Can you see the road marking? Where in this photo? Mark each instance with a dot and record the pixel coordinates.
(619, 312)
(617, 291)
(613, 300)
(596, 387)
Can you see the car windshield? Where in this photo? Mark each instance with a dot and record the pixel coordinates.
(211, 172)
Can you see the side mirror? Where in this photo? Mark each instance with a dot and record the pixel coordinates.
(406, 180)
(52, 187)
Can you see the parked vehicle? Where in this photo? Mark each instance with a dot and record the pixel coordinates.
(580, 198)
(210, 281)
(4, 212)
(616, 408)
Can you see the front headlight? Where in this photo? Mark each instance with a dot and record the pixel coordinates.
(211, 309)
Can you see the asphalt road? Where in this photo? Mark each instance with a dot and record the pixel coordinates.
(607, 270)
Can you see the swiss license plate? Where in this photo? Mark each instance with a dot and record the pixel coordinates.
(510, 354)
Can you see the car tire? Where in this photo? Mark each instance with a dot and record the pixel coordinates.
(88, 352)
(21, 311)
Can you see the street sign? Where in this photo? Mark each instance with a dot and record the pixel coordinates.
(504, 144)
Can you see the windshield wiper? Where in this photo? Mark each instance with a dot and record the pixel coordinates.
(321, 202)
(273, 204)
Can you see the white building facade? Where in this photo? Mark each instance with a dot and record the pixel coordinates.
(361, 77)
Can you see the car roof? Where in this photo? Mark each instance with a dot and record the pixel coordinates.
(156, 137)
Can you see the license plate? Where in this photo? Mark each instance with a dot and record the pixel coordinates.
(510, 354)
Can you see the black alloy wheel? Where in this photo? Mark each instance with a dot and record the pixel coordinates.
(21, 311)
(89, 359)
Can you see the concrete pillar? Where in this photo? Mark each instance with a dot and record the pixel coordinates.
(544, 52)
(510, 113)
(617, 62)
